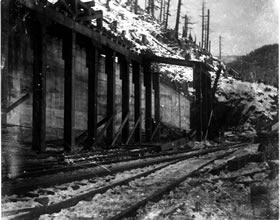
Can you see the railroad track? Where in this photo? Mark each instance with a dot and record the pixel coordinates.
(93, 169)
(73, 162)
(146, 186)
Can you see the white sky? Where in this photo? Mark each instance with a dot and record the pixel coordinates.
(244, 24)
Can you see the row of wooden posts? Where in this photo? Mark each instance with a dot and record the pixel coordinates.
(92, 54)
(43, 18)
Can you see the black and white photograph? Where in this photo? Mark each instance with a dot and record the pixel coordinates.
(140, 109)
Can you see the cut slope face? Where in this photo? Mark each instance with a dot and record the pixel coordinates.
(259, 95)
(145, 33)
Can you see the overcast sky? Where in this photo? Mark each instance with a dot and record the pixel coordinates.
(244, 24)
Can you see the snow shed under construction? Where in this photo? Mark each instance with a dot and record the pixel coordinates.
(65, 79)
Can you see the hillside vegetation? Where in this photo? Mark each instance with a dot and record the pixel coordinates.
(261, 65)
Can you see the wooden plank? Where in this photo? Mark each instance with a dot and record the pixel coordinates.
(95, 15)
(89, 4)
(74, 4)
(155, 131)
(17, 103)
(101, 133)
(5, 54)
(67, 22)
(120, 130)
(148, 100)
(157, 104)
(137, 99)
(69, 46)
(93, 68)
(133, 130)
(124, 71)
(62, 3)
(39, 86)
(110, 69)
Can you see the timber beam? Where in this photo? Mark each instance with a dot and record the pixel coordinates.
(110, 70)
(169, 60)
(69, 55)
(69, 23)
(94, 15)
(137, 99)
(124, 75)
(38, 33)
(93, 67)
(148, 99)
(156, 87)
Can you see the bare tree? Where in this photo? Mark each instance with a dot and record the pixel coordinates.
(161, 10)
(202, 31)
(167, 14)
(207, 30)
(135, 6)
(178, 19)
(152, 6)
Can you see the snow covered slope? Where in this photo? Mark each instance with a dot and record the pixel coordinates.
(258, 96)
(145, 33)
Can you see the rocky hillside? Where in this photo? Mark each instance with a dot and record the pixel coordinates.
(259, 65)
(147, 36)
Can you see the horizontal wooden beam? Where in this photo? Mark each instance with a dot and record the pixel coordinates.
(83, 5)
(67, 22)
(95, 15)
(66, 7)
(89, 4)
(172, 61)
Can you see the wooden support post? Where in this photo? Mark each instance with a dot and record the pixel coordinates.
(5, 54)
(157, 103)
(137, 99)
(148, 99)
(110, 69)
(124, 72)
(200, 104)
(69, 53)
(39, 86)
(205, 106)
(74, 4)
(196, 107)
(93, 68)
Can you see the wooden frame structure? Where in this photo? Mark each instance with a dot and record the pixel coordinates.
(75, 23)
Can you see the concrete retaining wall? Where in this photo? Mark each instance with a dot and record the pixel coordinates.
(174, 107)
